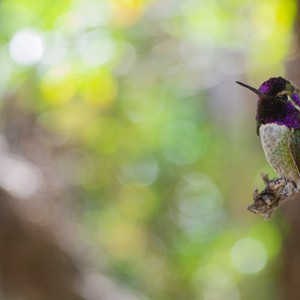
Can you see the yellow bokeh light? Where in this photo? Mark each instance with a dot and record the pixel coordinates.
(99, 89)
(127, 12)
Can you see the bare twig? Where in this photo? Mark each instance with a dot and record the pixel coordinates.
(276, 192)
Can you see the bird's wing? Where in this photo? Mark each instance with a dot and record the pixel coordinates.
(294, 148)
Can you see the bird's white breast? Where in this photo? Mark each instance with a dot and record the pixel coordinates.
(274, 139)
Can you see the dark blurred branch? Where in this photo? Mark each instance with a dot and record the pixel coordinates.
(291, 242)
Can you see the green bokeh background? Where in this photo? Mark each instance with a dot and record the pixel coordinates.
(168, 153)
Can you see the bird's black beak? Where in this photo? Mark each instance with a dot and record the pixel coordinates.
(254, 90)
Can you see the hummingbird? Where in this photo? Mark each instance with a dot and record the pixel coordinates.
(278, 126)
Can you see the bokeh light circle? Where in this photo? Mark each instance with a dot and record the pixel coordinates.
(26, 47)
(248, 256)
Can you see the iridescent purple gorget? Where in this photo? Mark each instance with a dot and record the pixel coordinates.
(273, 104)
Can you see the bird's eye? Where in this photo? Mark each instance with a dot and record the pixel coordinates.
(283, 97)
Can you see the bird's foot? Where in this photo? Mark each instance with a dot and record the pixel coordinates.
(276, 192)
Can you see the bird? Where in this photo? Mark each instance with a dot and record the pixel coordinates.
(278, 125)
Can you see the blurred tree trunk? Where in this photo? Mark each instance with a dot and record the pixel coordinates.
(290, 272)
(32, 265)
(41, 256)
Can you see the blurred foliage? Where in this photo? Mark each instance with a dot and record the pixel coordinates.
(166, 159)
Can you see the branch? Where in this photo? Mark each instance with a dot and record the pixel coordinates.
(276, 193)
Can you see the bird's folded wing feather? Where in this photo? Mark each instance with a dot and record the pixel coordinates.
(294, 148)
